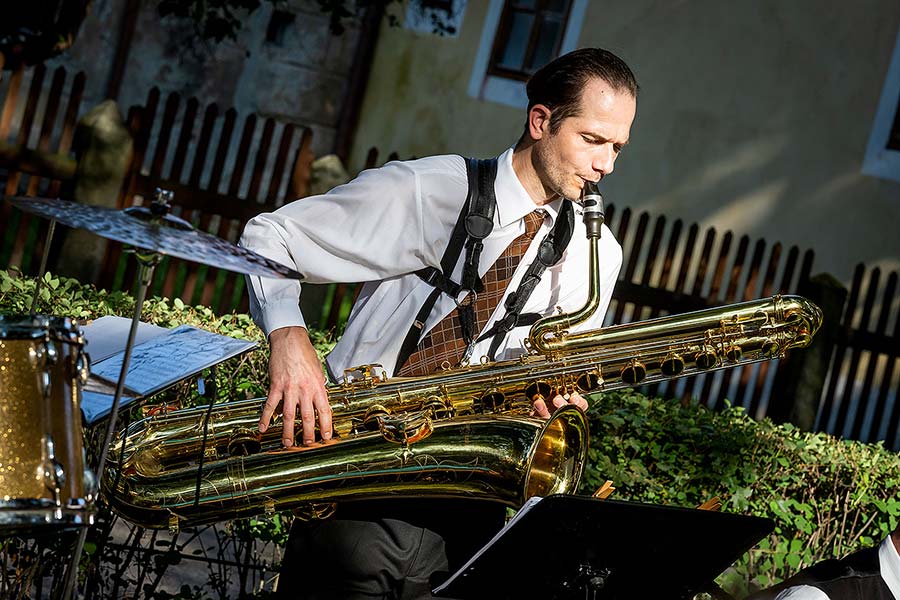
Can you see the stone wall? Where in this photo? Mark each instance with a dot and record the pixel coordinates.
(301, 79)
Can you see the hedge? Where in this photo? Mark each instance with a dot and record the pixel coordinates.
(827, 496)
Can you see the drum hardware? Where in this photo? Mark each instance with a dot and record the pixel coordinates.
(148, 233)
(43, 268)
(45, 482)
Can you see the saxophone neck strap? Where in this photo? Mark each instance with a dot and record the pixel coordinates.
(550, 252)
(474, 224)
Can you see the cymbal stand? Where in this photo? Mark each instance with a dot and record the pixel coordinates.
(40, 278)
(147, 262)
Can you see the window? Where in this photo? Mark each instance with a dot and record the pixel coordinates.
(519, 37)
(529, 36)
(883, 152)
(278, 26)
(893, 142)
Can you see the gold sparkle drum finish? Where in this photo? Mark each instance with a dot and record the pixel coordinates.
(44, 481)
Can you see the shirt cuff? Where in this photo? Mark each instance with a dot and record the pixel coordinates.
(277, 315)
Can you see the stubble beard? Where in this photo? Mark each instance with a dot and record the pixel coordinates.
(551, 176)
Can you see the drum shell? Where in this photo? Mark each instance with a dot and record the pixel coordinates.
(40, 355)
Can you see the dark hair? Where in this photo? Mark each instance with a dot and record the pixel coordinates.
(559, 83)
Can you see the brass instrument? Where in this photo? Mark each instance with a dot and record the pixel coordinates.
(464, 432)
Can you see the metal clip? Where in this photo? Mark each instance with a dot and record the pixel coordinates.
(467, 300)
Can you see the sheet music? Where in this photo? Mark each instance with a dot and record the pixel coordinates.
(108, 335)
(159, 362)
(95, 406)
(529, 504)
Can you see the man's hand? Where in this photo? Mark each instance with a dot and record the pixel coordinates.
(540, 408)
(296, 380)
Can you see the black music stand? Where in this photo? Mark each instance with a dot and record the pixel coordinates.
(568, 547)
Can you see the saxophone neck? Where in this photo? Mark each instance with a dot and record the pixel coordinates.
(549, 333)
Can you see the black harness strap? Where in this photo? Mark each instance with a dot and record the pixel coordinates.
(549, 253)
(475, 222)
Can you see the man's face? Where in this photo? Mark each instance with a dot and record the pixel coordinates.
(586, 146)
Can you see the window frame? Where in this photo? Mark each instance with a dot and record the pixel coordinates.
(503, 30)
(502, 90)
(880, 160)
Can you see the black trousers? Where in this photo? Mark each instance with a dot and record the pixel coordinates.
(385, 550)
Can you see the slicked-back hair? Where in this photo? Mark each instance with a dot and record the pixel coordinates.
(558, 84)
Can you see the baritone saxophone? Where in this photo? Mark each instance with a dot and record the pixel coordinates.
(464, 432)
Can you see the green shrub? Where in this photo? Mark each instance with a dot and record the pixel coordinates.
(827, 497)
(246, 377)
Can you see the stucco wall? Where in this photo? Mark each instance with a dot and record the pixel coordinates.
(753, 116)
(303, 80)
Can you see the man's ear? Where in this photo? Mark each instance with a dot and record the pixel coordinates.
(538, 121)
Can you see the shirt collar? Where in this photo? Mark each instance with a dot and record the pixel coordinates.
(889, 562)
(513, 202)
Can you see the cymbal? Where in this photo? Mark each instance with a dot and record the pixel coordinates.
(152, 230)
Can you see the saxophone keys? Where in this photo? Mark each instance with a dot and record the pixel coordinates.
(406, 430)
(672, 365)
(374, 415)
(771, 348)
(538, 390)
(492, 400)
(243, 442)
(706, 358)
(734, 353)
(633, 372)
(589, 382)
(438, 408)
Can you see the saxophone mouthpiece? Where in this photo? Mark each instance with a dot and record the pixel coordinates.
(592, 205)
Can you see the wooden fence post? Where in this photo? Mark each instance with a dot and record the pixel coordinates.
(103, 148)
(798, 386)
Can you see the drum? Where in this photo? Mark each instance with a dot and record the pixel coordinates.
(44, 481)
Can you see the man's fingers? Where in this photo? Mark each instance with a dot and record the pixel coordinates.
(324, 410)
(288, 411)
(579, 401)
(308, 419)
(558, 401)
(540, 408)
(269, 409)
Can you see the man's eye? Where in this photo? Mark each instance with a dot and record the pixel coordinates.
(618, 148)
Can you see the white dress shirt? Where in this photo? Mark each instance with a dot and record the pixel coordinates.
(888, 563)
(390, 222)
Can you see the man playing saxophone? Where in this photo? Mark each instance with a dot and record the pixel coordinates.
(459, 257)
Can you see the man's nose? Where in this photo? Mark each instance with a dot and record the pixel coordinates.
(604, 161)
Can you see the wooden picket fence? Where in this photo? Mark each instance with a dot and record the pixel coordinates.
(44, 117)
(222, 178)
(666, 271)
(860, 398)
